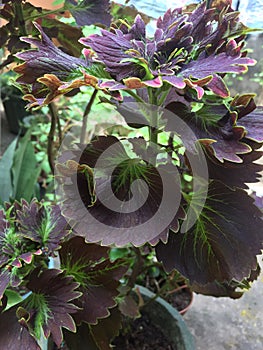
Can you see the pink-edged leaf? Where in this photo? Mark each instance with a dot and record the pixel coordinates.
(218, 86)
(16, 263)
(27, 257)
(174, 81)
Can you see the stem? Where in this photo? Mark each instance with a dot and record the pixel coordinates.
(137, 268)
(85, 116)
(21, 21)
(208, 3)
(48, 12)
(135, 96)
(163, 97)
(59, 130)
(50, 152)
(170, 145)
(153, 128)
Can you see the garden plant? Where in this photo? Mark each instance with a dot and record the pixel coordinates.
(171, 194)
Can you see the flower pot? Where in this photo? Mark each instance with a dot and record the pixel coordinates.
(169, 319)
(180, 298)
(15, 112)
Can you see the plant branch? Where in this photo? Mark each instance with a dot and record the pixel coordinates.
(59, 130)
(85, 116)
(21, 21)
(137, 268)
(135, 96)
(51, 135)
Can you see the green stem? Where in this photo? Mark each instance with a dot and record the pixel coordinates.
(163, 97)
(21, 21)
(153, 128)
(50, 12)
(85, 116)
(135, 96)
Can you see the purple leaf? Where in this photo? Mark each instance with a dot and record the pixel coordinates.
(13, 334)
(99, 279)
(223, 244)
(89, 12)
(44, 225)
(253, 123)
(50, 301)
(121, 226)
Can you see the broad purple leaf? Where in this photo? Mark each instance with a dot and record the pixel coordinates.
(216, 128)
(122, 226)
(46, 59)
(224, 242)
(214, 64)
(87, 12)
(253, 123)
(107, 329)
(95, 337)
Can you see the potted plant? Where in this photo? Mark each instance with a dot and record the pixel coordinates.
(14, 106)
(174, 189)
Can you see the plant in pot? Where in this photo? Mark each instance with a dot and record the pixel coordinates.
(14, 105)
(177, 183)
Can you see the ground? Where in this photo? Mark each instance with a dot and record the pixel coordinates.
(226, 324)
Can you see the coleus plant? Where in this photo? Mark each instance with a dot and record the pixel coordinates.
(181, 188)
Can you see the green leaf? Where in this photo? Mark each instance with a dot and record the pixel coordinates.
(13, 298)
(5, 172)
(57, 2)
(25, 169)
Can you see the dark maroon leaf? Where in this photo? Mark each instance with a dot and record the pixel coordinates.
(108, 221)
(82, 340)
(226, 289)
(129, 307)
(107, 329)
(66, 34)
(98, 278)
(49, 306)
(236, 174)
(13, 335)
(224, 242)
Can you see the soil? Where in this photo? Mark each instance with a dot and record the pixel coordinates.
(141, 334)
